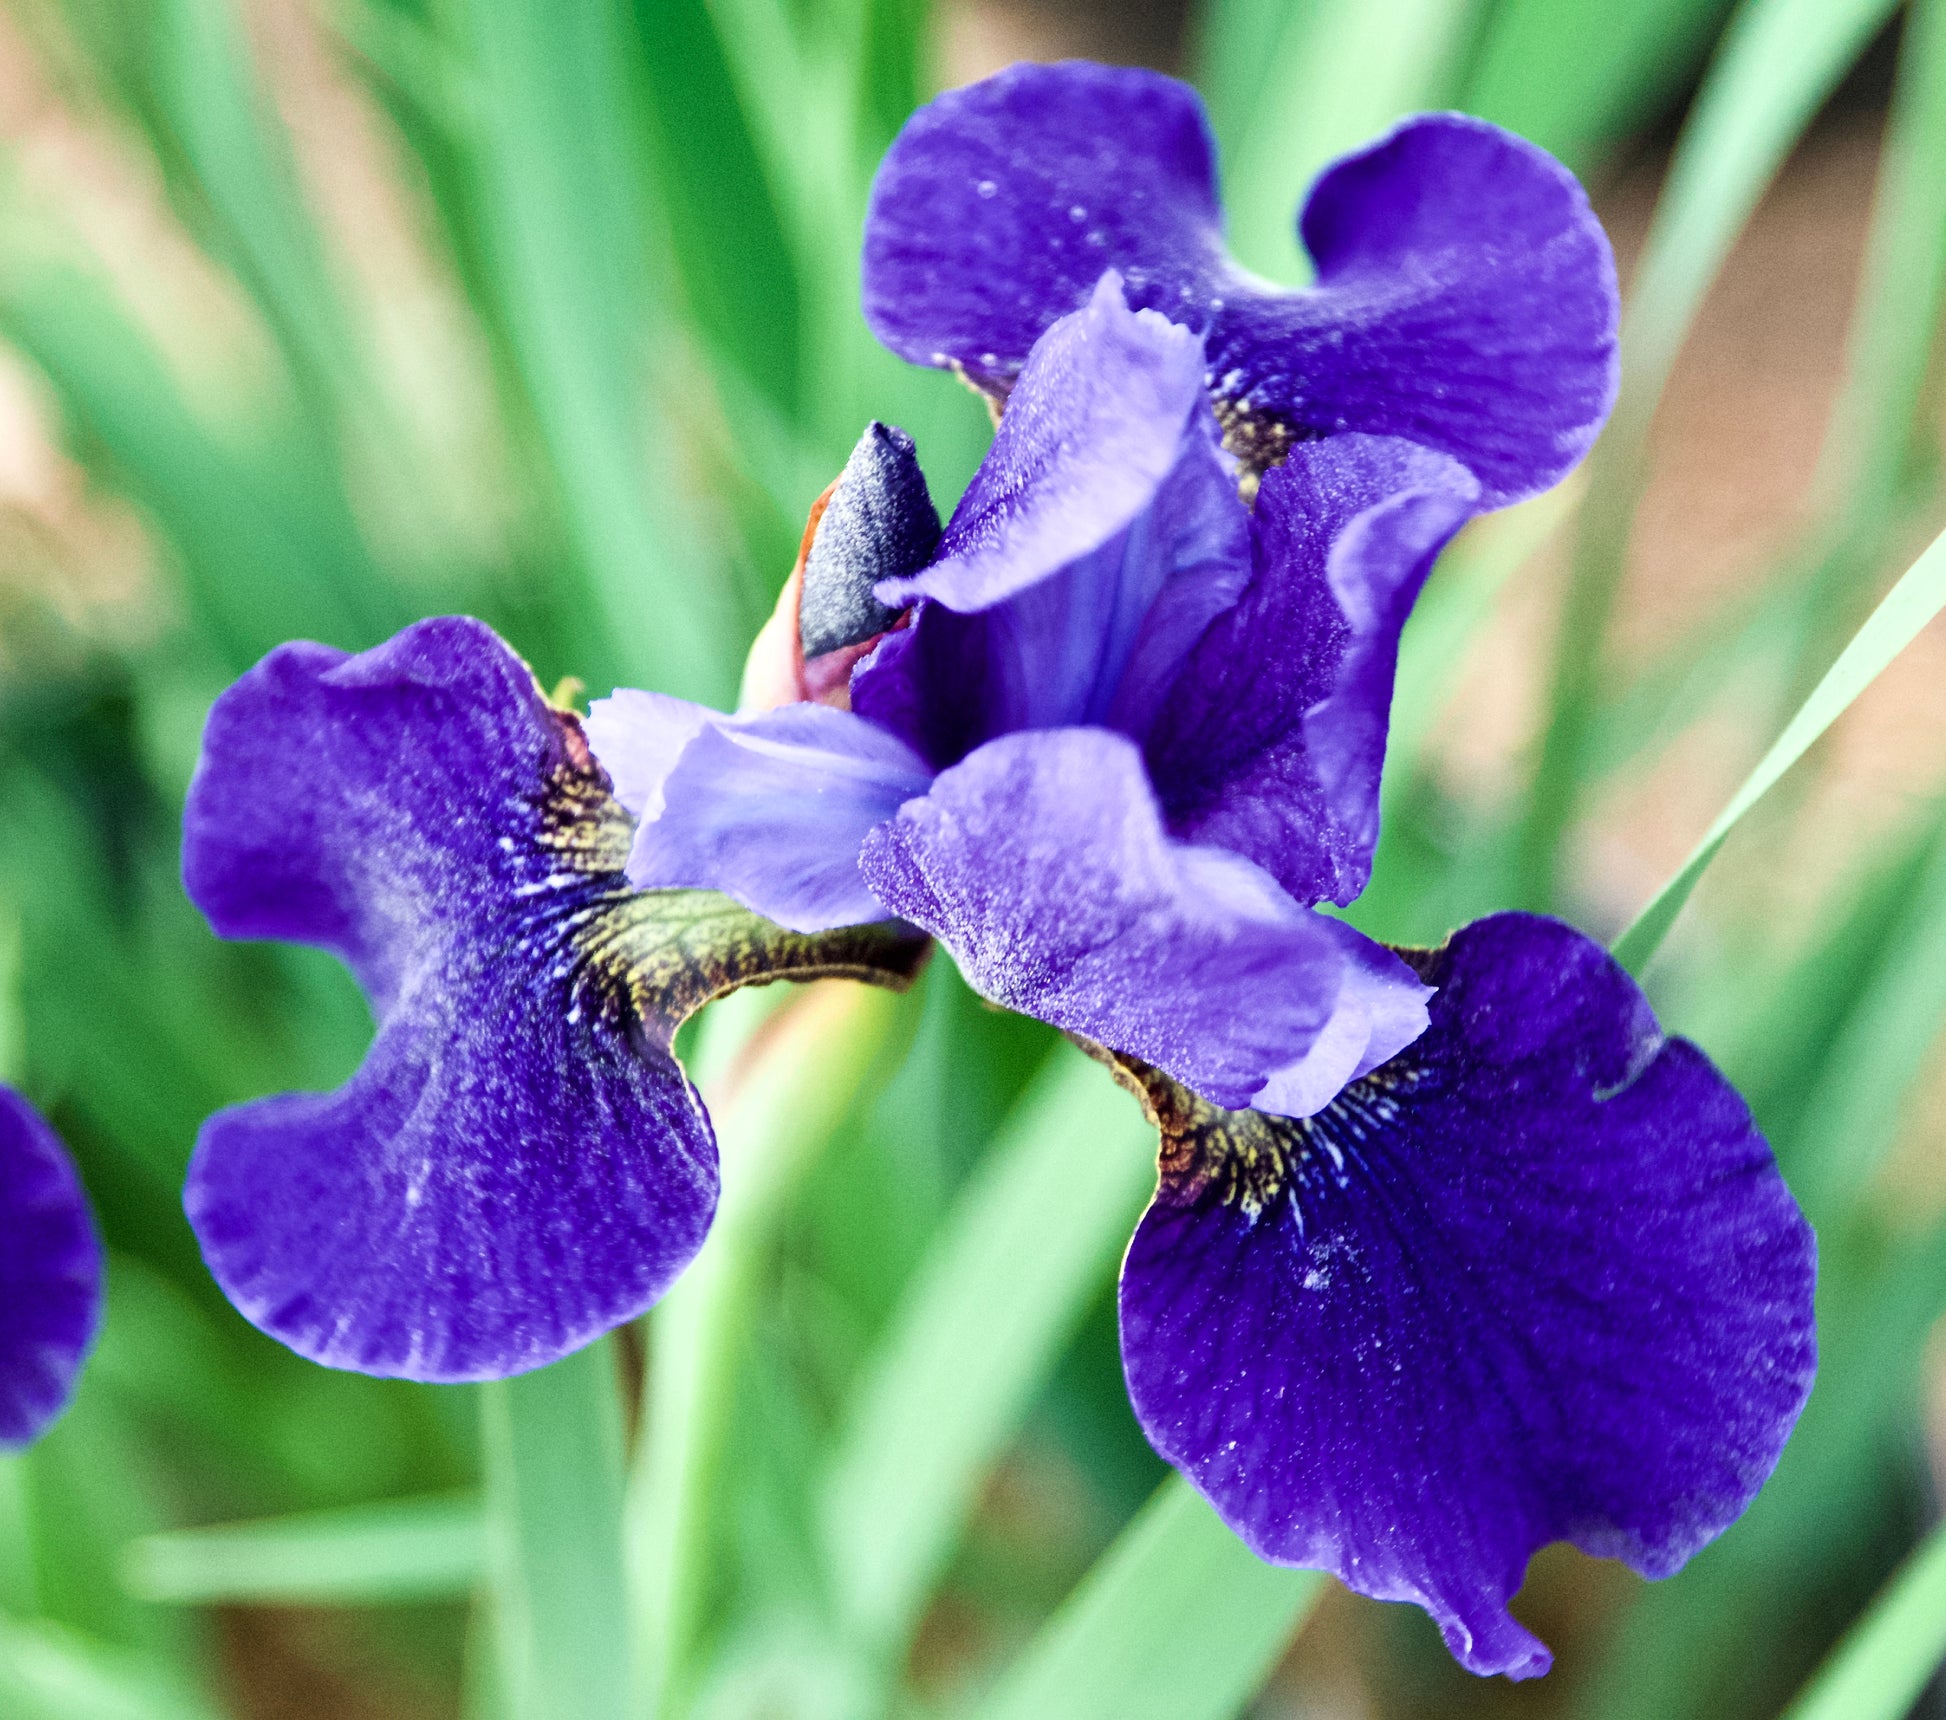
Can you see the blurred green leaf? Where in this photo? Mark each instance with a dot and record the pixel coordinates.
(1178, 1621)
(1534, 73)
(1031, 1241)
(1907, 607)
(822, 1053)
(1341, 71)
(553, 1447)
(562, 207)
(1776, 64)
(1886, 1658)
(404, 1549)
(51, 1674)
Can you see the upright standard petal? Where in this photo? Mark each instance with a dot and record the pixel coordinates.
(1099, 640)
(1465, 294)
(1041, 863)
(1272, 738)
(772, 810)
(50, 1274)
(999, 205)
(1094, 427)
(519, 1163)
(1536, 1279)
(1465, 300)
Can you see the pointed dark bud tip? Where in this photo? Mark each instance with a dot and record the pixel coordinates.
(879, 524)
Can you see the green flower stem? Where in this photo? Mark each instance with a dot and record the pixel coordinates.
(798, 1078)
(552, 1448)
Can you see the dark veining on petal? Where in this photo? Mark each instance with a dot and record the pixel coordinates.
(1248, 1159)
(648, 959)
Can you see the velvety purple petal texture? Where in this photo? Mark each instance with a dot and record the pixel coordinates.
(1535, 1279)
(1041, 863)
(519, 1163)
(1094, 427)
(999, 206)
(1465, 300)
(1465, 294)
(772, 809)
(1099, 640)
(50, 1274)
(1273, 737)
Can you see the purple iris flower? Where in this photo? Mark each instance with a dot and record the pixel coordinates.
(1464, 296)
(1425, 1285)
(1452, 1252)
(50, 1274)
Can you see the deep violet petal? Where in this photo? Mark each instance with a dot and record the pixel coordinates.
(1465, 300)
(999, 205)
(1099, 641)
(1272, 739)
(519, 1163)
(1536, 1279)
(1093, 429)
(1465, 294)
(50, 1274)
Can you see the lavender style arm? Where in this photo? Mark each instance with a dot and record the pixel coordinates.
(1465, 295)
(50, 1274)
(1536, 1278)
(1042, 864)
(519, 1164)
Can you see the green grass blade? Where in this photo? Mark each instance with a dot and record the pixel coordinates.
(1032, 1239)
(1886, 1658)
(774, 1114)
(1777, 63)
(1178, 1620)
(1533, 73)
(407, 1549)
(552, 1443)
(1850, 1120)
(1907, 607)
(51, 1674)
(562, 211)
(1343, 71)
(1897, 320)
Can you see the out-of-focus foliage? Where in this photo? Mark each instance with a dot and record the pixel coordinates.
(340, 312)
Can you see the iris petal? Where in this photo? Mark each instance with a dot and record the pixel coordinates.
(771, 809)
(1042, 864)
(999, 205)
(1465, 294)
(1100, 639)
(1465, 300)
(1273, 737)
(1091, 432)
(1535, 1279)
(50, 1274)
(519, 1164)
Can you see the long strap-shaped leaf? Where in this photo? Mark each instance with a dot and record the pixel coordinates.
(1878, 1670)
(1178, 1620)
(363, 1555)
(552, 1443)
(1026, 1248)
(1907, 607)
